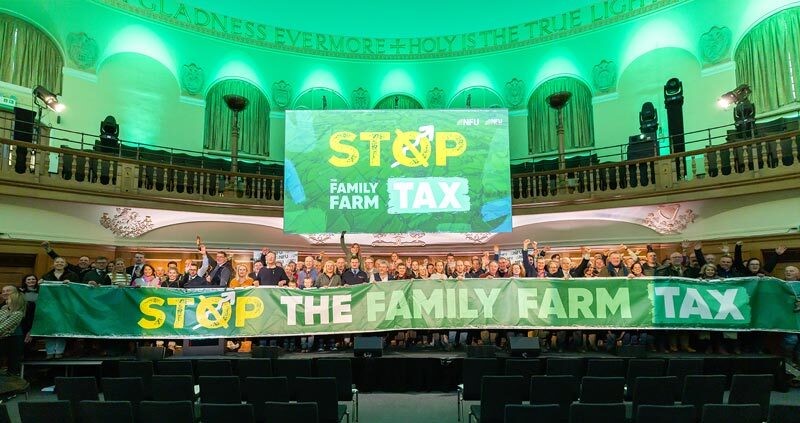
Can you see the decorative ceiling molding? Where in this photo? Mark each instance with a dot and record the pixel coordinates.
(604, 76)
(715, 45)
(669, 219)
(82, 50)
(126, 223)
(282, 94)
(515, 94)
(192, 79)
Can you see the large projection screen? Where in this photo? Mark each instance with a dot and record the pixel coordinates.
(397, 171)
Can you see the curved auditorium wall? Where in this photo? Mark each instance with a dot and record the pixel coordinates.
(153, 72)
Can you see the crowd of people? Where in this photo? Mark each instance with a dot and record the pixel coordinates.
(355, 267)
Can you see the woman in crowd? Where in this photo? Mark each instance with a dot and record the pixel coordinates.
(708, 272)
(59, 273)
(11, 336)
(242, 280)
(328, 277)
(173, 279)
(118, 275)
(148, 278)
(517, 271)
(30, 291)
(637, 271)
(291, 271)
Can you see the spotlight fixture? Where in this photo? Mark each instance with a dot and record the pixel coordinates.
(738, 95)
(648, 121)
(49, 99)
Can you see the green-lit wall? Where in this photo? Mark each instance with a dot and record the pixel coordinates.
(137, 74)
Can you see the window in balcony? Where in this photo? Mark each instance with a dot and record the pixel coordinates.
(29, 57)
(253, 121)
(768, 58)
(578, 121)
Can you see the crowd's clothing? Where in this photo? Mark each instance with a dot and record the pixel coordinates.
(98, 276)
(66, 276)
(10, 321)
(120, 279)
(135, 271)
(324, 280)
(270, 276)
(670, 270)
(475, 273)
(71, 267)
(348, 255)
(145, 281)
(236, 283)
(303, 274)
(30, 309)
(609, 271)
(354, 277)
(377, 277)
(648, 269)
(220, 274)
(168, 283)
(437, 276)
(197, 281)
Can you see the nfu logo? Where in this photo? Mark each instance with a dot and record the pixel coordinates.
(468, 122)
(494, 122)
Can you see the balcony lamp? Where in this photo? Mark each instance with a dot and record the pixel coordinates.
(49, 99)
(738, 95)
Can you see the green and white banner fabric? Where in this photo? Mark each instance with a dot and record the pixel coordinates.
(75, 310)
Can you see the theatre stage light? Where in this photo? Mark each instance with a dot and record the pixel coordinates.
(49, 99)
(736, 96)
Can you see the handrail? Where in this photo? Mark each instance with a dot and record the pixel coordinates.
(100, 156)
(713, 148)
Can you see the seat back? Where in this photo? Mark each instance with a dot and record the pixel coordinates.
(321, 390)
(45, 411)
(166, 412)
(783, 413)
(172, 388)
(651, 391)
(682, 367)
(106, 411)
(226, 413)
(665, 414)
(565, 366)
(305, 412)
(731, 413)
(525, 368)
(142, 369)
(602, 390)
(124, 389)
(597, 413)
(699, 390)
(752, 389)
(558, 389)
(291, 370)
(4, 417)
(609, 367)
(473, 372)
(523, 413)
(150, 353)
(643, 367)
(496, 393)
(260, 390)
(214, 368)
(77, 389)
(254, 367)
(220, 390)
(175, 367)
(342, 370)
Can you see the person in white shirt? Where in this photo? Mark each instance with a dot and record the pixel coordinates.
(438, 271)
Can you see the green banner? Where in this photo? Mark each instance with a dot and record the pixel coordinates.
(741, 304)
(364, 170)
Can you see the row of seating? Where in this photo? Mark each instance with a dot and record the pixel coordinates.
(211, 390)
(162, 412)
(616, 413)
(698, 391)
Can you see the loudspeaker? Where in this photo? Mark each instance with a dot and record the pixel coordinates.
(641, 148)
(368, 346)
(260, 351)
(481, 351)
(633, 351)
(522, 346)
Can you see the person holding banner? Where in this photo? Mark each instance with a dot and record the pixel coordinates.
(328, 277)
(272, 274)
(382, 275)
(354, 276)
(241, 280)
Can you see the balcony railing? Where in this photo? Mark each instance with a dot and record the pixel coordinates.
(753, 160)
(100, 172)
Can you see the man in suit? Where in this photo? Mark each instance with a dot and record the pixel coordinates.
(138, 264)
(354, 275)
(221, 271)
(98, 275)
